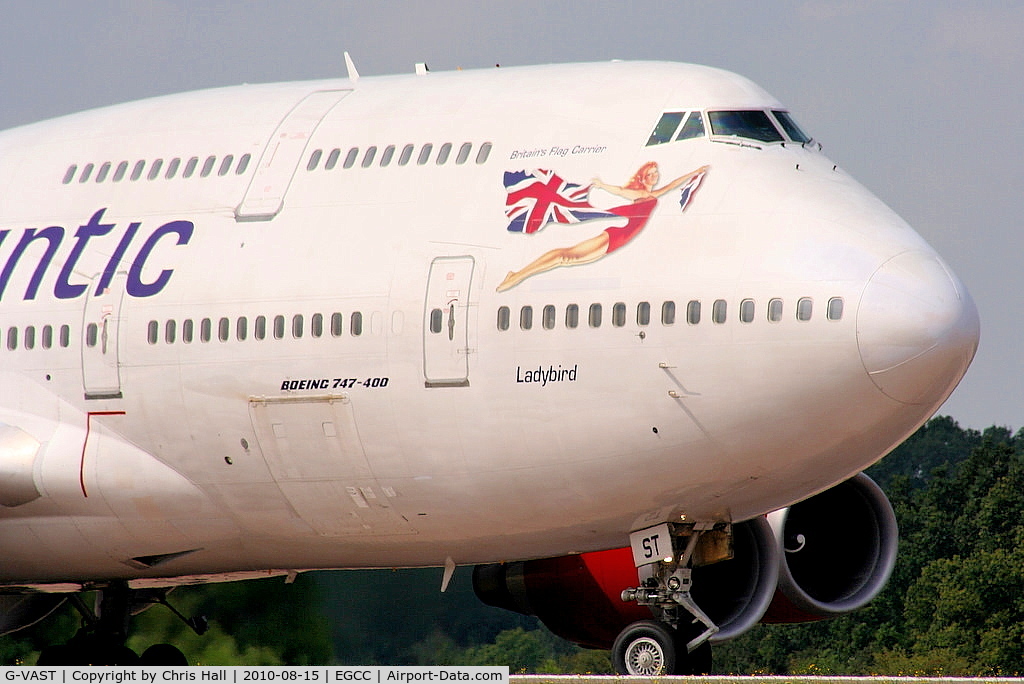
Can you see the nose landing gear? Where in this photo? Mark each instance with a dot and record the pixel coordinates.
(101, 640)
(677, 643)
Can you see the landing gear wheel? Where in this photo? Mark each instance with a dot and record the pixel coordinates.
(163, 654)
(645, 648)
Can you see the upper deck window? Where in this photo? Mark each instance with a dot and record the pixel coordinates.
(752, 124)
(788, 125)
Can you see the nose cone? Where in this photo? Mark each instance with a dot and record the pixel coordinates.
(917, 329)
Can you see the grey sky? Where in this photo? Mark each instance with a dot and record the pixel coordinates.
(905, 95)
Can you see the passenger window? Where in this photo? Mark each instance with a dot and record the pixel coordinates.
(70, 175)
(101, 175)
(154, 170)
(242, 328)
(526, 317)
(425, 154)
(86, 172)
(170, 331)
(65, 336)
(336, 321)
(371, 153)
(693, 312)
(223, 329)
(259, 328)
(172, 168)
(350, 158)
(436, 320)
(804, 308)
(356, 324)
(503, 318)
(485, 151)
(137, 170)
(693, 128)
(643, 313)
(668, 313)
(389, 153)
(190, 167)
(225, 165)
(548, 317)
(278, 327)
(774, 310)
(719, 311)
(464, 153)
(243, 164)
(572, 316)
(332, 159)
(30, 337)
(119, 172)
(752, 124)
(406, 155)
(665, 128)
(443, 153)
(594, 320)
(747, 310)
(47, 336)
(314, 160)
(316, 325)
(205, 330)
(297, 326)
(207, 167)
(187, 330)
(618, 314)
(835, 309)
(152, 332)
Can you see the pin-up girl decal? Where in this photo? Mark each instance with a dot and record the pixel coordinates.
(567, 203)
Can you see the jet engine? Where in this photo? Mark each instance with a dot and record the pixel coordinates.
(824, 556)
(18, 611)
(578, 597)
(838, 550)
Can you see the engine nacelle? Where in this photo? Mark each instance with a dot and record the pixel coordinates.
(18, 611)
(578, 597)
(838, 550)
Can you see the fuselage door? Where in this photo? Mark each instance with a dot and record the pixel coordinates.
(282, 154)
(101, 325)
(446, 322)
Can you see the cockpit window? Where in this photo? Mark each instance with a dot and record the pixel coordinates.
(667, 125)
(788, 125)
(752, 124)
(693, 128)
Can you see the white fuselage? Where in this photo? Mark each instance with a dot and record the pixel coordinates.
(385, 418)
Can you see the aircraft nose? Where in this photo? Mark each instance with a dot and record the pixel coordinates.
(917, 329)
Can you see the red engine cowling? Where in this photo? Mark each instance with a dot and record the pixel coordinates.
(838, 550)
(578, 597)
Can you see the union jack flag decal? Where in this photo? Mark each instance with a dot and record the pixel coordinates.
(537, 198)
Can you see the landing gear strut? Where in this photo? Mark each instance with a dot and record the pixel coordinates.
(678, 641)
(101, 639)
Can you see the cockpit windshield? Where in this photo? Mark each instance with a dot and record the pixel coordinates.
(753, 124)
(792, 130)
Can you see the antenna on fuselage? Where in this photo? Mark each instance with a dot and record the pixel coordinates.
(353, 75)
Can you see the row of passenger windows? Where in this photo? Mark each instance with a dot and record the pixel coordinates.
(157, 169)
(278, 327)
(755, 124)
(45, 337)
(774, 312)
(406, 155)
